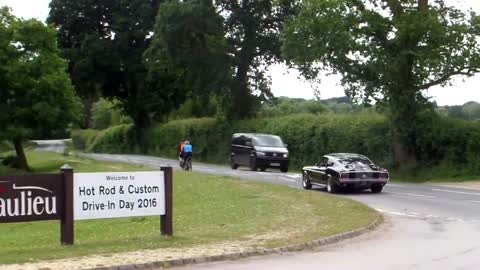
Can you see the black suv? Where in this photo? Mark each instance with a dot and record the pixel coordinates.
(258, 151)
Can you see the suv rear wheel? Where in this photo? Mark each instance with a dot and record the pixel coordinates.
(284, 169)
(253, 164)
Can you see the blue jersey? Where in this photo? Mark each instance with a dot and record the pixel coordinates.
(188, 148)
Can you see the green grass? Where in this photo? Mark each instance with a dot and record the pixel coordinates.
(438, 174)
(46, 162)
(207, 209)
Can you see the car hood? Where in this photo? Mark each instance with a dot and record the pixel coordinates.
(271, 149)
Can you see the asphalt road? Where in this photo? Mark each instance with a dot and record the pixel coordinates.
(428, 227)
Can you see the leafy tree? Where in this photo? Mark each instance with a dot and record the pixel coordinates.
(456, 112)
(105, 42)
(286, 106)
(253, 29)
(105, 114)
(198, 107)
(36, 94)
(472, 110)
(189, 53)
(388, 50)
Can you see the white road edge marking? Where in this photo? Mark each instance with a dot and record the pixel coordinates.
(412, 194)
(458, 192)
(393, 185)
(287, 179)
(475, 201)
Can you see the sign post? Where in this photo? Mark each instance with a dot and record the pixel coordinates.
(166, 220)
(66, 227)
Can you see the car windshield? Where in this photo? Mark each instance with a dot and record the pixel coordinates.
(268, 141)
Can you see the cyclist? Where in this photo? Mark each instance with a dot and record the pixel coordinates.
(187, 150)
(181, 154)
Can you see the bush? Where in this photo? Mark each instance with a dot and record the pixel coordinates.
(450, 144)
(10, 161)
(209, 137)
(105, 114)
(308, 136)
(114, 140)
(5, 146)
(83, 138)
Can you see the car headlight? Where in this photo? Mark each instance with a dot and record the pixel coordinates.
(261, 153)
(285, 155)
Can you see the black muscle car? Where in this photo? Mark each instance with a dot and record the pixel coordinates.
(344, 171)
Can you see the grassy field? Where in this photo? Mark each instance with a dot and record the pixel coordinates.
(439, 174)
(207, 209)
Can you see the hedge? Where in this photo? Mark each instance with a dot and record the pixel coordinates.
(308, 136)
(83, 138)
(452, 145)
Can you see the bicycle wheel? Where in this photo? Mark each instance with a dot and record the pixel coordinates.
(188, 167)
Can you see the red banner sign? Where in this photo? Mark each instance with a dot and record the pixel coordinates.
(31, 198)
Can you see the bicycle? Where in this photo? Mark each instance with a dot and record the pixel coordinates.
(187, 166)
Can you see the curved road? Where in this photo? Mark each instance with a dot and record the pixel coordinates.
(428, 227)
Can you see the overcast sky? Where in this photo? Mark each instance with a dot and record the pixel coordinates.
(286, 82)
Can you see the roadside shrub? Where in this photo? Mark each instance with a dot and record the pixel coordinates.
(5, 146)
(210, 138)
(10, 161)
(450, 144)
(114, 140)
(83, 138)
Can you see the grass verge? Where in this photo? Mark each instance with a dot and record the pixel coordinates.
(207, 209)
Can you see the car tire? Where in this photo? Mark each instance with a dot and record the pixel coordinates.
(284, 169)
(331, 187)
(306, 184)
(376, 188)
(233, 165)
(263, 169)
(253, 164)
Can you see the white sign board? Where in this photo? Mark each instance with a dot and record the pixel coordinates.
(118, 194)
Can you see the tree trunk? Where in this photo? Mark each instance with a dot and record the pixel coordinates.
(141, 124)
(404, 153)
(87, 112)
(423, 5)
(243, 100)
(21, 157)
(404, 105)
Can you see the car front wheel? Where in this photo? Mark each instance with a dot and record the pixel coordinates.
(306, 184)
